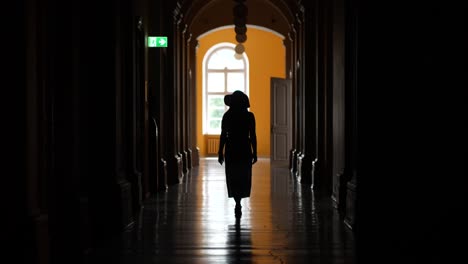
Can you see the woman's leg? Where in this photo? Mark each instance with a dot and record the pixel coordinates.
(238, 200)
(238, 208)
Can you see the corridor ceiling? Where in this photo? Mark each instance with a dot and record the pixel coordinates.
(202, 15)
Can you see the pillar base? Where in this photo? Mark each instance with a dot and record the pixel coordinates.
(126, 212)
(175, 169)
(162, 175)
(339, 191)
(196, 157)
(189, 159)
(184, 156)
(350, 205)
(293, 161)
(34, 240)
(305, 167)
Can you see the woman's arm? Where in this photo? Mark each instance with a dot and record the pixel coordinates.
(253, 138)
(222, 142)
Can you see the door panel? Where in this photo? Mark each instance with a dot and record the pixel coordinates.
(281, 119)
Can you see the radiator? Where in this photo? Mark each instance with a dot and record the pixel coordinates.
(212, 146)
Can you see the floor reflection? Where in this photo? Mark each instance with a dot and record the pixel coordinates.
(239, 243)
(194, 222)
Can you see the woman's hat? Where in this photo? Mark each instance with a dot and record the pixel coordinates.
(227, 100)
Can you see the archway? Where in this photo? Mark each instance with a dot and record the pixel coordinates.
(262, 66)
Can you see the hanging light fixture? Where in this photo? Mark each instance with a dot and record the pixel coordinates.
(240, 20)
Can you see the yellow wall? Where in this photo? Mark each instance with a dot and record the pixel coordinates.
(267, 58)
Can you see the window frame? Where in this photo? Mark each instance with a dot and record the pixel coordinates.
(206, 71)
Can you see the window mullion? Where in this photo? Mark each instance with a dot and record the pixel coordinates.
(228, 70)
(216, 93)
(225, 80)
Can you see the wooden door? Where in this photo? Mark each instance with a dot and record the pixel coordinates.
(281, 119)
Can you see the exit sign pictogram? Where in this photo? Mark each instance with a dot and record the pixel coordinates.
(157, 42)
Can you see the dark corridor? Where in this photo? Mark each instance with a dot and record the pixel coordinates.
(99, 132)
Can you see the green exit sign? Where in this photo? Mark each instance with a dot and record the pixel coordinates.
(157, 42)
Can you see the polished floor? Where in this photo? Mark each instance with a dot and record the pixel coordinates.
(194, 222)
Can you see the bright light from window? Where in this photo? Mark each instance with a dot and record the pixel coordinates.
(235, 81)
(223, 74)
(224, 58)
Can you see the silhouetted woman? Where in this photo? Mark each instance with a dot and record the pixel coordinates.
(239, 141)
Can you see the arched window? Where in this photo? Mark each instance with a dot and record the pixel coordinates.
(223, 73)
